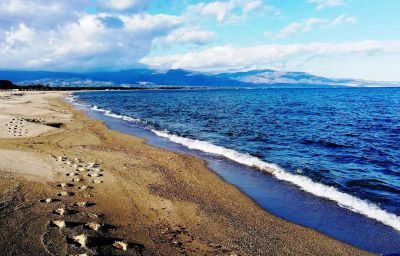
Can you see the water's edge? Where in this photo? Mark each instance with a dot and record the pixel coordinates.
(274, 194)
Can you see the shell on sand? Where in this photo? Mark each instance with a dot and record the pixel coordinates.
(90, 164)
(72, 174)
(83, 187)
(80, 239)
(80, 169)
(59, 158)
(120, 245)
(97, 181)
(96, 169)
(93, 175)
(47, 200)
(59, 211)
(76, 180)
(58, 223)
(63, 185)
(93, 225)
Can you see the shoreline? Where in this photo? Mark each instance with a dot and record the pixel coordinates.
(163, 202)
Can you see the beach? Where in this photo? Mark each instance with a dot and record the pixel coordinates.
(110, 193)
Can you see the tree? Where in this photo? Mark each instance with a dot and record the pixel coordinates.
(7, 85)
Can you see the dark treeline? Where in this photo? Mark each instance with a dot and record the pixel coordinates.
(8, 85)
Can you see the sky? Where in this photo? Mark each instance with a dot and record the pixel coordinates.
(333, 38)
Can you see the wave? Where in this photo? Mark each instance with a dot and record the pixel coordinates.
(111, 114)
(73, 99)
(342, 199)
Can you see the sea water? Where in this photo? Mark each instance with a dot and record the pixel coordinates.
(339, 144)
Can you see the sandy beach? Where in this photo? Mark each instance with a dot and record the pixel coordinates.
(71, 186)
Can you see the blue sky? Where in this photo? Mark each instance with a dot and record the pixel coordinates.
(334, 38)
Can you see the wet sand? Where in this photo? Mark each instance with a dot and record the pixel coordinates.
(104, 187)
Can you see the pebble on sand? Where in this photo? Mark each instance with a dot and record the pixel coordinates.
(97, 181)
(120, 245)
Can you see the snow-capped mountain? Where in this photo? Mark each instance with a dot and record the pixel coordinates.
(178, 77)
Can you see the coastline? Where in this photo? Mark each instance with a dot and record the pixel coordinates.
(162, 202)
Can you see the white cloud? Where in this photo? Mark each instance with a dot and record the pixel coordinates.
(343, 19)
(298, 27)
(308, 24)
(282, 57)
(90, 42)
(39, 13)
(321, 4)
(186, 35)
(227, 11)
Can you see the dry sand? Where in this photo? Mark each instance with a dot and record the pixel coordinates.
(153, 201)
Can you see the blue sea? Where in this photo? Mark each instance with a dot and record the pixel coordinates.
(339, 145)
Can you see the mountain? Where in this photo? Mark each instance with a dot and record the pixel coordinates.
(272, 77)
(179, 77)
(176, 77)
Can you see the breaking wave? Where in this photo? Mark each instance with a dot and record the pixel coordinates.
(344, 200)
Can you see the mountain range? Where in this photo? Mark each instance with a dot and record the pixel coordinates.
(179, 77)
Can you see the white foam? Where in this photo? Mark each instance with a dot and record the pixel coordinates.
(342, 199)
(111, 114)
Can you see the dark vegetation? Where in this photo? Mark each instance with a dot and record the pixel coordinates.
(8, 85)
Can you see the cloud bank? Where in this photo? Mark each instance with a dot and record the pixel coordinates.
(280, 57)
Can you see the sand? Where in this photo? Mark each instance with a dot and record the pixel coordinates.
(153, 201)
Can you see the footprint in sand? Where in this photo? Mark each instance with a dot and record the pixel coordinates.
(94, 174)
(80, 239)
(65, 193)
(121, 245)
(59, 211)
(84, 187)
(58, 223)
(81, 204)
(48, 200)
(94, 226)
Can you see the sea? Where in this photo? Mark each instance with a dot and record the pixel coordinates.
(325, 158)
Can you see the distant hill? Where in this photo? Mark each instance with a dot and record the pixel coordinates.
(179, 77)
(143, 77)
(273, 77)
